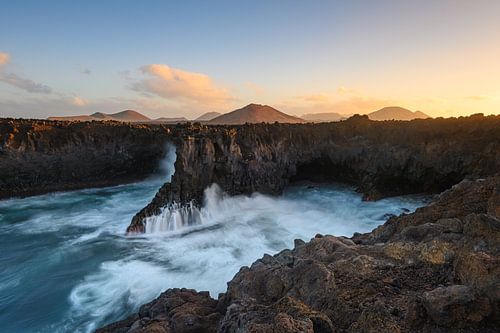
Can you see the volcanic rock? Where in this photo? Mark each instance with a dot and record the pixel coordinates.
(435, 270)
(380, 158)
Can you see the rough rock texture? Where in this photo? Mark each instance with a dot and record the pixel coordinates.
(435, 270)
(38, 156)
(381, 158)
(176, 310)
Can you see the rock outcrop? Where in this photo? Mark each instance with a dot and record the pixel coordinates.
(40, 156)
(381, 158)
(435, 270)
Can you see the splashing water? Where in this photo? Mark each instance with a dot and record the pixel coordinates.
(66, 265)
(175, 216)
(167, 164)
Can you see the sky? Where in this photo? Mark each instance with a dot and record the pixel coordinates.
(184, 58)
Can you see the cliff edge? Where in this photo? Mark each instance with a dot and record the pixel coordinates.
(380, 158)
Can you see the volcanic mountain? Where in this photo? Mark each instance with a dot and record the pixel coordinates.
(324, 117)
(208, 116)
(165, 120)
(125, 116)
(396, 113)
(255, 113)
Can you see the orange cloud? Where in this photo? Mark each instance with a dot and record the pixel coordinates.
(477, 98)
(344, 90)
(316, 98)
(4, 58)
(346, 104)
(255, 88)
(176, 84)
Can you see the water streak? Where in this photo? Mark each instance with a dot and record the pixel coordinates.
(176, 216)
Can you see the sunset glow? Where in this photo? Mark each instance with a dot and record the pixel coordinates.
(184, 59)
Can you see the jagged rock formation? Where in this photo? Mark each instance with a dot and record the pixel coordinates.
(38, 156)
(436, 270)
(381, 158)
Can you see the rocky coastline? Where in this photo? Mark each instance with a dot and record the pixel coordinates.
(435, 270)
(381, 158)
(42, 156)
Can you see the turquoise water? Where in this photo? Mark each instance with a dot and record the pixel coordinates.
(67, 266)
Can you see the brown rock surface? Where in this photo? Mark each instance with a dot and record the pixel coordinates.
(435, 270)
(40, 156)
(175, 310)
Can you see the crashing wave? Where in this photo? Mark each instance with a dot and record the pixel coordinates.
(176, 216)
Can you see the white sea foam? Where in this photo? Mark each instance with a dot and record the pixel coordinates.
(230, 232)
(67, 253)
(123, 283)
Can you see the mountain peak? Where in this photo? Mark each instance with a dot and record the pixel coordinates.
(396, 113)
(98, 115)
(255, 113)
(208, 116)
(129, 115)
(126, 116)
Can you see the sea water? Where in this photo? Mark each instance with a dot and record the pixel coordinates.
(66, 264)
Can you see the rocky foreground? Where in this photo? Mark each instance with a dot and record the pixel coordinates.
(436, 270)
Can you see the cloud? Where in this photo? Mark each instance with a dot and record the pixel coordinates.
(255, 88)
(25, 84)
(37, 107)
(477, 98)
(316, 98)
(346, 104)
(179, 85)
(18, 81)
(4, 58)
(344, 90)
(43, 106)
(78, 101)
(86, 71)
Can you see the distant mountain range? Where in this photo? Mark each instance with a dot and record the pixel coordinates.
(127, 115)
(208, 116)
(255, 113)
(387, 113)
(164, 120)
(396, 113)
(324, 117)
(252, 113)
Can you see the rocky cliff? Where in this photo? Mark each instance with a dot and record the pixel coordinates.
(38, 156)
(436, 270)
(381, 158)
